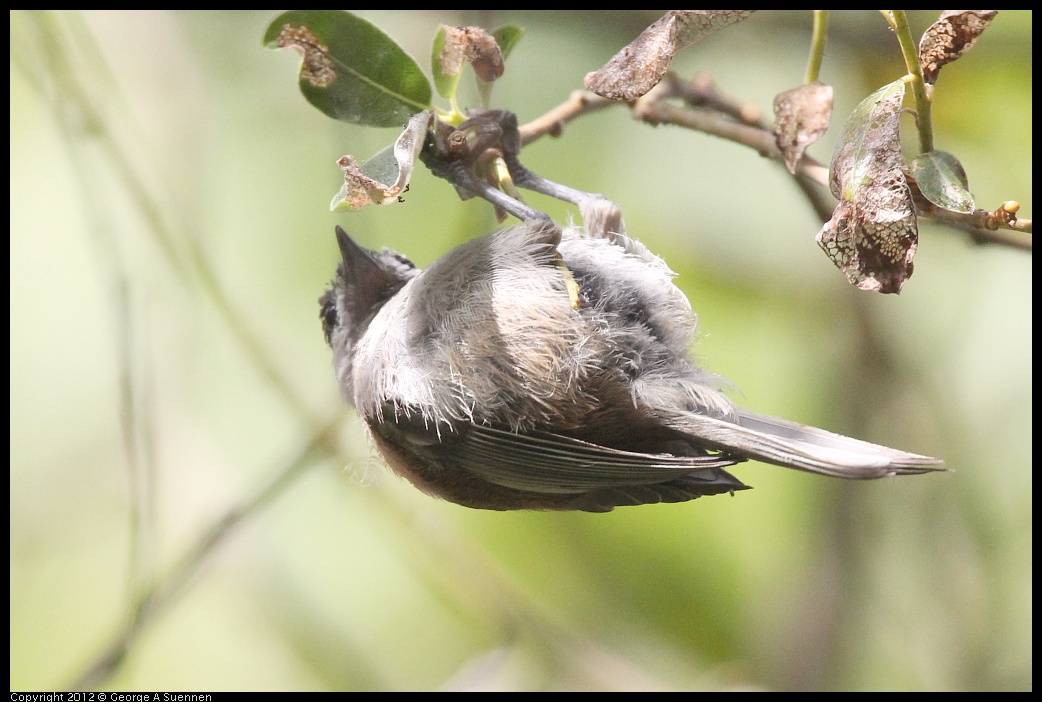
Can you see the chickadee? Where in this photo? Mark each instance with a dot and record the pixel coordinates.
(544, 368)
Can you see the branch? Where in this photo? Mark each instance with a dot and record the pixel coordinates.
(705, 110)
(579, 103)
(1000, 226)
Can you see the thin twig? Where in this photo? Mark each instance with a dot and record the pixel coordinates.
(579, 103)
(164, 591)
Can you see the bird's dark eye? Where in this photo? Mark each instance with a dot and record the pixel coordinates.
(328, 315)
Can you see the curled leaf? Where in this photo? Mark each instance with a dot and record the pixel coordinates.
(384, 177)
(942, 180)
(801, 116)
(869, 141)
(875, 253)
(951, 36)
(351, 70)
(873, 235)
(453, 46)
(640, 65)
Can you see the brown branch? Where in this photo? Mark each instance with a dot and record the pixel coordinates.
(578, 103)
(984, 227)
(706, 110)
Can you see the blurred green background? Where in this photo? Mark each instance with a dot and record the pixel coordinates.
(202, 156)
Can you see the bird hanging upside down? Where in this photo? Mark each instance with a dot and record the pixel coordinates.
(544, 368)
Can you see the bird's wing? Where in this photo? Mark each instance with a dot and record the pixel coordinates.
(545, 462)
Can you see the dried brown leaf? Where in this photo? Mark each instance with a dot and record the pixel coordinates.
(873, 234)
(801, 116)
(383, 178)
(317, 67)
(475, 46)
(951, 36)
(640, 65)
(359, 189)
(873, 244)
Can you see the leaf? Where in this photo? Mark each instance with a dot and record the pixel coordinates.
(872, 235)
(455, 45)
(942, 180)
(871, 132)
(801, 116)
(640, 65)
(507, 37)
(446, 67)
(383, 178)
(951, 36)
(351, 70)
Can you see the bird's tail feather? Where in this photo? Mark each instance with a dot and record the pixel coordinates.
(793, 445)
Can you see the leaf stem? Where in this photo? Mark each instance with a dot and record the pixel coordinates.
(817, 46)
(920, 94)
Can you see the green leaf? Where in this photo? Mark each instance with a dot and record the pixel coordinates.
(446, 74)
(507, 37)
(351, 70)
(942, 181)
